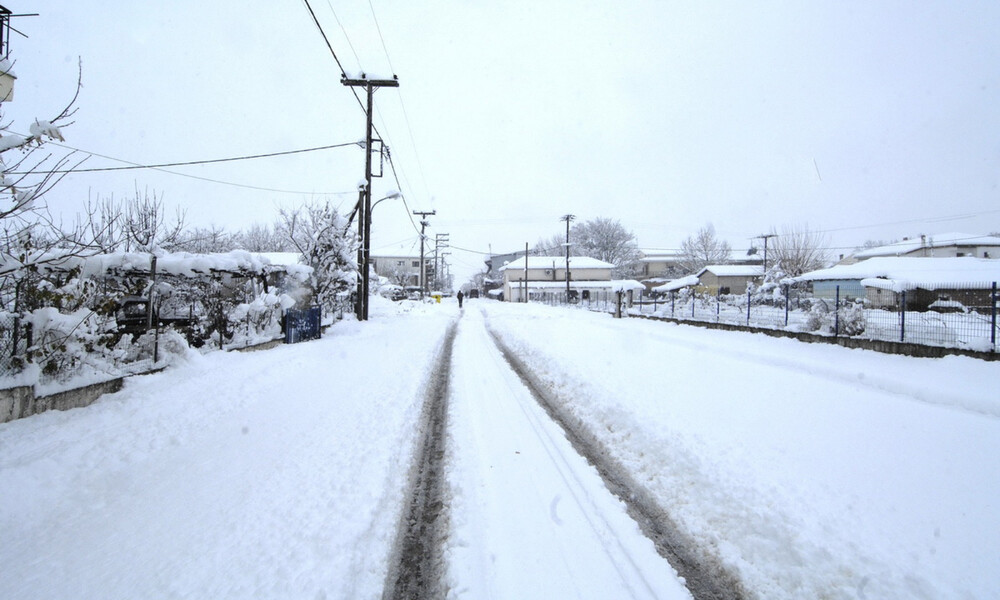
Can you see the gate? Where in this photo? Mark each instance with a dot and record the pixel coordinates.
(302, 325)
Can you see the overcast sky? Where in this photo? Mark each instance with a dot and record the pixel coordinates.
(872, 120)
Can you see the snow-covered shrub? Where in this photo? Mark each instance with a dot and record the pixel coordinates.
(819, 318)
(260, 319)
(168, 347)
(64, 345)
(852, 319)
(849, 320)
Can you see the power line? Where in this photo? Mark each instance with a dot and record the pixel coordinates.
(198, 177)
(346, 37)
(133, 166)
(326, 39)
(402, 105)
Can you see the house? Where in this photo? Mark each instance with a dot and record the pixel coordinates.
(944, 245)
(657, 267)
(493, 280)
(548, 273)
(882, 281)
(728, 279)
(402, 269)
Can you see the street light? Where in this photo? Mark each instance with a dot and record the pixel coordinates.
(366, 253)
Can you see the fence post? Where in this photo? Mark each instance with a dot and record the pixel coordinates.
(993, 317)
(672, 303)
(788, 290)
(718, 304)
(692, 304)
(836, 314)
(748, 308)
(902, 319)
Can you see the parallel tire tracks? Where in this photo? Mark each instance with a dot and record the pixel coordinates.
(417, 565)
(704, 576)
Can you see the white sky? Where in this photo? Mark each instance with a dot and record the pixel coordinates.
(876, 120)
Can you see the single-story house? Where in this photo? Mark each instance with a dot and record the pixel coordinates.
(728, 279)
(548, 273)
(925, 281)
(943, 245)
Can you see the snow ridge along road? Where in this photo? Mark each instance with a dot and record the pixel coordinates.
(529, 517)
(415, 568)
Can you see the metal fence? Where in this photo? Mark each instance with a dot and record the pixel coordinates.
(950, 315)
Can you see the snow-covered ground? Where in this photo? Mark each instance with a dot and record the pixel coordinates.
(275, 474)
(812, 471)
(815, 471)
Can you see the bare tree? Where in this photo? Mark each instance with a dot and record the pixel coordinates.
(205, 240)
(797, 250)
(703, 249)
(27, 173)
(606, 239)
(262, 238)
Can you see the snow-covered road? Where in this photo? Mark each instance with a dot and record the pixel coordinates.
(807, 471)
(530, 518)
(275, 474)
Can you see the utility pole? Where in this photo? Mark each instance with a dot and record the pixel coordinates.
(440, 242)
(567, 218)
(365, 225)
(765, 237)
(423, 269)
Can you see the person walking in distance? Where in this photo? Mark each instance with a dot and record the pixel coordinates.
(460, 296)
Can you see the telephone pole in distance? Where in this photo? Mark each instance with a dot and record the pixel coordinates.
(423, 268)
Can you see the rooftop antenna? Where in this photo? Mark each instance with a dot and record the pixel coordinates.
(5, 16)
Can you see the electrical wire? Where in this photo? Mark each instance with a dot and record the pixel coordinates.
(197, 177)
(325, 39)
(133, 166)
(402, 105)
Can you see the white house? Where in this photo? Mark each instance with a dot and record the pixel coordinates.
(943, 245)
(399, 269)
(548, 273)
(926, 280)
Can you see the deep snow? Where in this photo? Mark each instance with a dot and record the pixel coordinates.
(813, 471)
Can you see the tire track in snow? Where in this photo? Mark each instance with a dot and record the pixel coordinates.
(704, 576)
(416, 566)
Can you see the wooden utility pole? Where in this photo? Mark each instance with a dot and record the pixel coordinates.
(423, 269)
(567, 218)
(365, 225)
(765, 237)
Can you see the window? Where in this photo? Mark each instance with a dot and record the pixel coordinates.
(416, 263)
(400, 263)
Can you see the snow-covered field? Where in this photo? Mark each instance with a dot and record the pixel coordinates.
(812, 471)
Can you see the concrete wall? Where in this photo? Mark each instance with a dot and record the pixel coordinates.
(20, 402)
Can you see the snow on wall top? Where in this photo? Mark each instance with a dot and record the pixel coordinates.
(930, 241)
(547, 262)
(177, 263)
(909, 272)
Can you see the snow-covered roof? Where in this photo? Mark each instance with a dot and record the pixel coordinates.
(930, 241)
(677, 284)
(648, 256)
(908, 272)
(547, 262)
(734, 270)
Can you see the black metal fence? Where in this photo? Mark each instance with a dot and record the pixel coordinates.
(948, 314)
